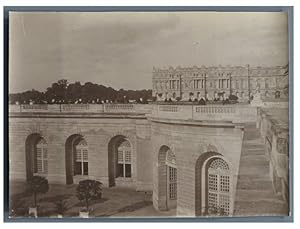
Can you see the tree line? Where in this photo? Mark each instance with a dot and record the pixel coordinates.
(64, 92)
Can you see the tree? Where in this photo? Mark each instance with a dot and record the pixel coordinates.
(35, 185)
(88, 190)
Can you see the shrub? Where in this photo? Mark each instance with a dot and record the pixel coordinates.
(88, 190)
(35, 185)
(233, 97)
(61, 206)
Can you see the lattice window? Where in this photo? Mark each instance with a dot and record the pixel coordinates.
(224, 184)
(81, 158)
(124, 159)
(172, 183)
(41, 157)
(218, 187)
(218, 164)
(212, 182)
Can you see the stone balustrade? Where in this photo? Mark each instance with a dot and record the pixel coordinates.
(119, 108)
(234, 113)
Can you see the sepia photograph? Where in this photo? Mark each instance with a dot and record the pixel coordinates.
(150, 115)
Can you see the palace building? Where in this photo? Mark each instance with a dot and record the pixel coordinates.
(186, 83)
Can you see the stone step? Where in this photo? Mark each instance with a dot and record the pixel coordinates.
(257, 141)
(250, 169)
(260, 184)
(258, 195)
(255, 194)
(260, 208)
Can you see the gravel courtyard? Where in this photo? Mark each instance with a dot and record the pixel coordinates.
(115, 202)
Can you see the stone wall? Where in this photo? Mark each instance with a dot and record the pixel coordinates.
(273, 125)
(188, 141)
(96, 131)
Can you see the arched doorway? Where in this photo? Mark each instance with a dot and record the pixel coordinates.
(213, 185)
(119, 160)
(76, 157)
(167, 179)
(36, 155)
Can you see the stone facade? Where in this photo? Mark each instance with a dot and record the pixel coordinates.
(242, 81)
(191, 136)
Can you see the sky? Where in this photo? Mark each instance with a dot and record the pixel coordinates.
(120, 49)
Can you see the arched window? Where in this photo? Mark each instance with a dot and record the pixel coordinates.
(218, 180)
(41, 157)
(81, 158)
(124, 159)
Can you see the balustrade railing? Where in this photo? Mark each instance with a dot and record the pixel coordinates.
(75, 107)
(215, 110)
(193, 112)
(168, 108)
(34, 107)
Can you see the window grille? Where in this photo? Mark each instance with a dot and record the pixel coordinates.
(219, 187)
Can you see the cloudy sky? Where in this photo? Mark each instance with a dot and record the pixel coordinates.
(120, 49)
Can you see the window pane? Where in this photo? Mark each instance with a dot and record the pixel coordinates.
(127, 157)
(120, 156)
(173, 191)
(45, 166)
(172, 174)
(212, 200)
(120, 172)
(85, 155)
(38, 153)
(78, 155)
(128, 170)
(85, 168)
(45, 153)
(224, 183)
(224, 204)
(77, 168)
(212, 182)
(39, 166)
